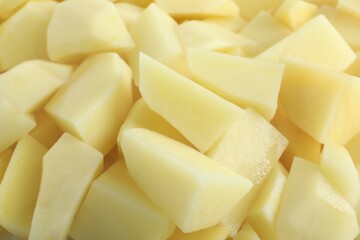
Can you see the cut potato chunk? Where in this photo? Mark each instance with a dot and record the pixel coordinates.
(251, 147)
(204, 35)
(8, 7)
(14, 124)
(80, 28)
(30, 84)
(141, 116)
(263, 213)
(190, 9)
(265, 30)
(250, 9)
(23, 36)
(319, 212)
(234, 24)
(349, 6)
(154, 34)
(200, 192)
(337, 165)
(129, 13)
(217, 232)
(115, 208)
(95, 116)
(242, 81)
(185, 104)
(307, 43)
(20, 187)
(5, 157)
(322, 102)
(68, 170)
(46, 131)
(293, 13)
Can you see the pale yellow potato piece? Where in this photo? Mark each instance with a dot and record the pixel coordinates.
(321, 101)
(141, 3)
(115, 208)
(217, 232)
(265, 30)
(263, 213)
(185, 104)
(354, 68)
(20, 187)
(129, 13)
(319, 212)
(251, 147)
(300, 143)
(8, 7)
(46, 131)
(307, 43)
(141, 116)
(80, 28)
(200, 192)
(30, 84)
(23, 36)
(208, 36)
(349, 6)
(293, 13)
(353, 148)
(346, 24)
(14, 124)
(242, 81)
(249, 9)
(95, 101)
(68, 170)
(190, 9)
(5, 157)
(234, 24)
(247, 233)
(337, 165)
(154, 34)
(323, 2)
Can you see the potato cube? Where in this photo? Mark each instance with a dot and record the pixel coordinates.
(93, 104)
(69, 168)
(200, 191)
(129, 13)
(115, 208)
(217, 232)
(250, 9)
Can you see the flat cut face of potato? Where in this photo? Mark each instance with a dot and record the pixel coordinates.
(179, 120)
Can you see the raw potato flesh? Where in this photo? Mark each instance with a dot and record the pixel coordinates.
(179, 120)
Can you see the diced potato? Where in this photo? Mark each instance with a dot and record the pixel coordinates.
(337, 165)
(5, 157)
(129, 13)
(251, 147)
(154, 34)
(14, 124)
(242, 81)
(46, 131)
(200, 191)
(115, 208)
(141, 116)
(265, 30)
(8, 7)
(217, 232)
(307, 43)
(349, 6)
(80, 28)
(23, 36)
(20, 187)
(320, 101)
(346, 24)
(30, 84)
(293, 13)
(250, 9)
(300, 143)
(234, 24)
(68, 170)
(96, 115)
(191, 9)
(312, 209)
(263, 213)
(247, 233)
(185, 104)
(204, 35)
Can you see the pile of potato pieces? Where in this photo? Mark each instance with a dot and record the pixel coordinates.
(179, 120)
